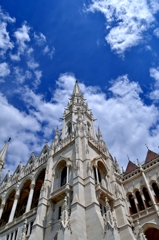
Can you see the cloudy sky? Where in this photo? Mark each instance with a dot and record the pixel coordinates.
(110, 46)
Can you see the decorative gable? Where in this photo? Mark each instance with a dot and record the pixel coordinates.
(150, 156)
(130, 167)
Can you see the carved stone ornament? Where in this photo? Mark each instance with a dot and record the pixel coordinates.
(139, 232)
(109, 219)
(65, 220)
(23, 233)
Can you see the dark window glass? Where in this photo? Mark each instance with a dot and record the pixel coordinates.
(59, 213)
(63, 176)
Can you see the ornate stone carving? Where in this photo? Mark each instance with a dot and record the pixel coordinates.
(65, 220)
(23, 233)
(139, 232)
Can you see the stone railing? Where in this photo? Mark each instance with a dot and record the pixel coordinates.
(62, 143)
(28, 169)
(143, 213)
(100, 146)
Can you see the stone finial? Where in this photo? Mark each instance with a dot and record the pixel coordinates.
(138, 162)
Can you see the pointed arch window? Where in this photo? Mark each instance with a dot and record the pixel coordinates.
(133, 208)
(69, 128)
(139, 200)
(64, 176)
(156, 191)
(147, 197)
(97, 178)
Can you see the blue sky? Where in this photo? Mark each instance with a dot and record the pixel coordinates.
(111, 47)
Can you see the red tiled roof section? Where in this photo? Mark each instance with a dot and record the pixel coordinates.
(130, 167)
(150, 156)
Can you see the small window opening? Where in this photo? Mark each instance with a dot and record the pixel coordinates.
(133, 209)
(69, 128)
(59, 213)
(63, 176)
(140, 202)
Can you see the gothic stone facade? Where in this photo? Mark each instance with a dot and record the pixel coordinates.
(74, 189)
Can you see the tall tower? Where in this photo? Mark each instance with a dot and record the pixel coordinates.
(85, 195)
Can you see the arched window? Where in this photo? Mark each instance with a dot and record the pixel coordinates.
(99, 176)
(139, 200)
(7, 209)
(64, 176)
(95, 176)
(147, 197)
(23, 198)
(133, 209)
(152, 234)
(37, 189)
(69, 126)
(156, 191)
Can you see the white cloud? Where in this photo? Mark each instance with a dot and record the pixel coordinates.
(126, 21)
(49, 51)
(20, 75)
(4, 69)
(32, 64)
(40, 39)
(156, 32)
(5, 42)
(22, 128)
(37, 80)
(154, 94)
(5, 16)
(22, 36)
(154, 73)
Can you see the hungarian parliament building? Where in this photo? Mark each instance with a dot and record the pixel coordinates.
(74, 189)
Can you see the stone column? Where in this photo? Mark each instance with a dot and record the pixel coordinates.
(52, 184)
(149, 190)
(13, 208)
(67, 174)
(136, 202)
(28, 207)
(143, 199)
(97, 175)
(1, 209)
(13, 237)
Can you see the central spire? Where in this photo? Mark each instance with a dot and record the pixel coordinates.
(76, 90)
(77, 111)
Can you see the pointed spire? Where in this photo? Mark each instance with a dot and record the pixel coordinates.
(138, 162)
(57, 133)
(3, 155)
(99, 132)
(76, 89)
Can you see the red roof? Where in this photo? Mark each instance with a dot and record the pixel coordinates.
(130, 167)
(150, 156)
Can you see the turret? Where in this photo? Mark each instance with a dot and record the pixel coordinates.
(3, 156)
(77, 112)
